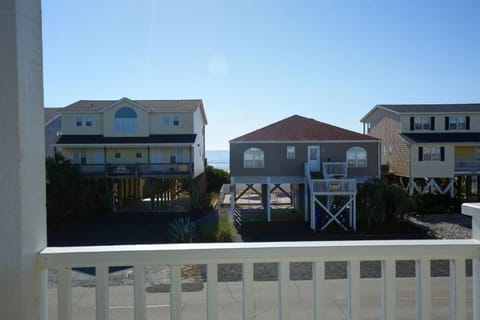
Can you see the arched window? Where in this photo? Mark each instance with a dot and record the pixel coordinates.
(126, 120)
(357, 157)
(253, 158)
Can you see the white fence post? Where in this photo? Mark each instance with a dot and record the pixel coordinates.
(473, 210)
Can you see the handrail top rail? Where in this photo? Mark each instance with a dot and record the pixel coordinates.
(258, 252)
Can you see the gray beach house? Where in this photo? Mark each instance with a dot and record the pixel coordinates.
(319, 161)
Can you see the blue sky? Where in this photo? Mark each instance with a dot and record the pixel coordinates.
(257, 62)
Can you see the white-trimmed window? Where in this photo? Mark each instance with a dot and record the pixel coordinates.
(290, 152)
(138, 155)
(357, 157)
(78, 121)
(118, 155)
(423, 123)
(431, 153)
(253, 158)
(88, 121)
(457, 123)
(126, 120)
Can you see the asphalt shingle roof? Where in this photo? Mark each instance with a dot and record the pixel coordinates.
(158, 105)
(298, 128)
(432, 108)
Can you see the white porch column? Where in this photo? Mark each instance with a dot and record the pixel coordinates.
(23, 285)
(269, 207)
(473, 210)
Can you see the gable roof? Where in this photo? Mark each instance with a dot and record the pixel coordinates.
(185, 105)
(298, 128)
(426, 108)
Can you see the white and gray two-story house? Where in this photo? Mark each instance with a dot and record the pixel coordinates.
(142, 146)
(430, 148)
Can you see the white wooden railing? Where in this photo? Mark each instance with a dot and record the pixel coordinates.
(334, 186)
(388, 252)
(282, 253)
(334, 169)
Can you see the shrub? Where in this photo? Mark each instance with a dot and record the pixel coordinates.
(216, 178)
(225, 229)
(381, 203)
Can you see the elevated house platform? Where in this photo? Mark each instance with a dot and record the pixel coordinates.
(321, 165)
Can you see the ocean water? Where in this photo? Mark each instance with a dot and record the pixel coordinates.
(219, 159)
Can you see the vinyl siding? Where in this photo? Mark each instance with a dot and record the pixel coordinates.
(432, 169)
(277, 164)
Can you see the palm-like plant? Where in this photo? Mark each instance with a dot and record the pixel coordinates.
(182, 230)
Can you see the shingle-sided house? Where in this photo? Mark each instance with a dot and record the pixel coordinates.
(142, 147)
(304, 152)
(429, 146)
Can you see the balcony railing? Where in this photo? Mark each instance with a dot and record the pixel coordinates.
(467, 165)
(152, 169)
(334, 170)
(334, 186)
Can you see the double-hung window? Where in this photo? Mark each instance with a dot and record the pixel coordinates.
(78, 121)
(423, 123)
(457, 123)
(290, 152)
(431, 153)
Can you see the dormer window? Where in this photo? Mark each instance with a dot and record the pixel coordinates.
(126, 120)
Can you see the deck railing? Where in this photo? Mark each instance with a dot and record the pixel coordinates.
(334, 186)
(353, 252)
(129, 169)
(467, 165)
(334, 169)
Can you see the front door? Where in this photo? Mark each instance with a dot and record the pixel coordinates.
(314, 158)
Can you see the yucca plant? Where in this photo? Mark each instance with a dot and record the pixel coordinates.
(182, 230)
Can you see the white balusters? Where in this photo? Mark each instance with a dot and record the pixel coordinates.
(389, 293)
(212, 291)
(248, 312)
(353, 270)
(423, 293)
(176, 292)
(101, 293)
(283, 282)
(319, 290)
(64, 293)
(139, 293)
